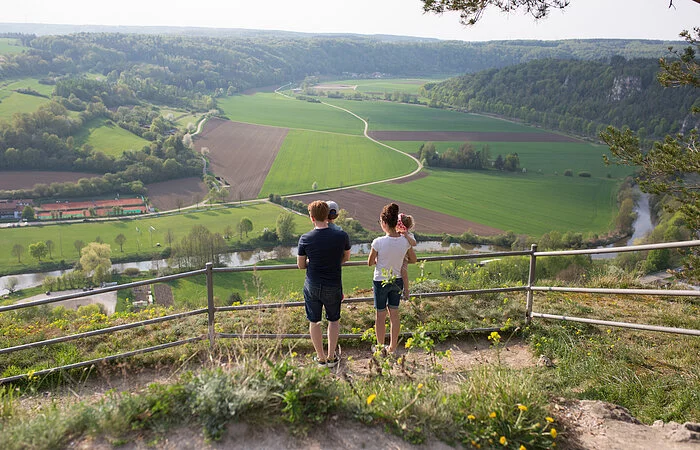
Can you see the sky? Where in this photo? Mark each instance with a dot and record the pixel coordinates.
(642, 19)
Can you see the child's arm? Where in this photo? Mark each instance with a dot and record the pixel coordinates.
(410, 238)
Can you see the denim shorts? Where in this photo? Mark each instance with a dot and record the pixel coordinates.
(389, 294)
(318, 297)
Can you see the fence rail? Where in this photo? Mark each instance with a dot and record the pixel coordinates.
(209, 271)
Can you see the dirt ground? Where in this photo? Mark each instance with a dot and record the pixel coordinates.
(28, 178)
(241, 153)
(164, 195)
(366, 207)
(108, 300)
(583, 424)
(478, 136)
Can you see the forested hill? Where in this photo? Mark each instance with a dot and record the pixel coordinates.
(234, 64)
(582, 97)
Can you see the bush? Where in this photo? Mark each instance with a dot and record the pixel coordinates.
(131, 271)
(584, 174)
(568, 173)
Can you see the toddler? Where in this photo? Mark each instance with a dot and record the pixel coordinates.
(405, 226)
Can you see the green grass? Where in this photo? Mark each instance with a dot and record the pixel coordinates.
(279, 111)
(63, 236)
(524, 203)
(182, 118)
(10, 45)
(548, 158)
(331, 160)
(403, 117)
(12, 102)
(109, 139)
(391, 85)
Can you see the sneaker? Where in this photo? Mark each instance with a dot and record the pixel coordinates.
(332, 362)
(320, 362)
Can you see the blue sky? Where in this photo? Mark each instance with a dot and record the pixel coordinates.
(644, 19)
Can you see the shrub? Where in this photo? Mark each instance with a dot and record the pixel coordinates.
(568, 173)
(131, 271)
(584, 174)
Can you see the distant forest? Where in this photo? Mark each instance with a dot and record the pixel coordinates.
(576, 85)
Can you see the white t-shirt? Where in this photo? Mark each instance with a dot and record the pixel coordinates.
(390, 254)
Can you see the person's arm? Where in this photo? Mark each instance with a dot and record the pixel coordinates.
(410, 238)
(301, 261)
(411, 256)
(372, 259)
(346, 257)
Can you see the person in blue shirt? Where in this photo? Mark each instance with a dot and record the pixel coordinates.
(322, 251)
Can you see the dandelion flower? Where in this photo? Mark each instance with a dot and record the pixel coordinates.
(371, 398)
(553, 432)
(522, 407)
(503, 440)
(471, 417)
(549, 419)
(522, 447)
(420, 386)
(492, 415)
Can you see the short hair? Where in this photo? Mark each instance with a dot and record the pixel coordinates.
(407, 221)
(318, 210)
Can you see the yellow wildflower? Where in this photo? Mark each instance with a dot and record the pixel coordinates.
(420, 386)
(503, 440)
(553, 432)
(522, 447)
(522, 407)
(371, 398)
(549, 419)
(492, 415)
(471, 417)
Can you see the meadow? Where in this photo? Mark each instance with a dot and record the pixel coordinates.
(277, 110)
(529, 203)
(384, 85)
(139, 241)
(10, 45)
(12, 102)
(331, 160)
(109, 138)
(392, 116)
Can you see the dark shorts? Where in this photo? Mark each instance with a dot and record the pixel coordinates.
(318, 297)
(388, 295)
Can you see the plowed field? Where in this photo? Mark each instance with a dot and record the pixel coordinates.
(366, 208)
(165, 195)
(26, 179)
(241, 153)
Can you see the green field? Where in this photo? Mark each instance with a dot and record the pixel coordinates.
(279, 111)
(331, 160)
(181, 117)
(547, 158)
(10, 45)
(399, 116)
(12, 102)
(382, 85)
(529, 203)
(109, 139)
(141, 242)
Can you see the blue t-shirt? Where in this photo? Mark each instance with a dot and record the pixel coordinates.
(325, 248)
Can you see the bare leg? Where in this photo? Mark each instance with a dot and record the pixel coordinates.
(380, 326)
(404, 277)
(395, 321)
(317, 339)
(333, 331)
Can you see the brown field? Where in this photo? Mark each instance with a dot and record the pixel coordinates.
(366, 208)
(458, 136)
(241, 154)
(26, 179)
(164, 195)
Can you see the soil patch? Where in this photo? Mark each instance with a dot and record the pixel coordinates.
(241, 154)
(163, 294)
(166, 195)
(366, 207)
(480, 136)
(26, 179)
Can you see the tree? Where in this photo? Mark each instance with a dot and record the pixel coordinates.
(179, 202)
(285, 227)
(49, 247)
(120, 240)
(28, 213)
(18, 250)
(95, 260)
(244, 226)
(471, 10)
(38, 250)
(671, 167)
(78, 244)
(11, 284)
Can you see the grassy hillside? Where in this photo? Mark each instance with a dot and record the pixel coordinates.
(383, 85)
(10, 45)
(524, 203)
(276, 110)
(331, 160)
(109, 138)
(12, 102)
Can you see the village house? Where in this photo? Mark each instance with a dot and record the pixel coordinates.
(12, 209)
